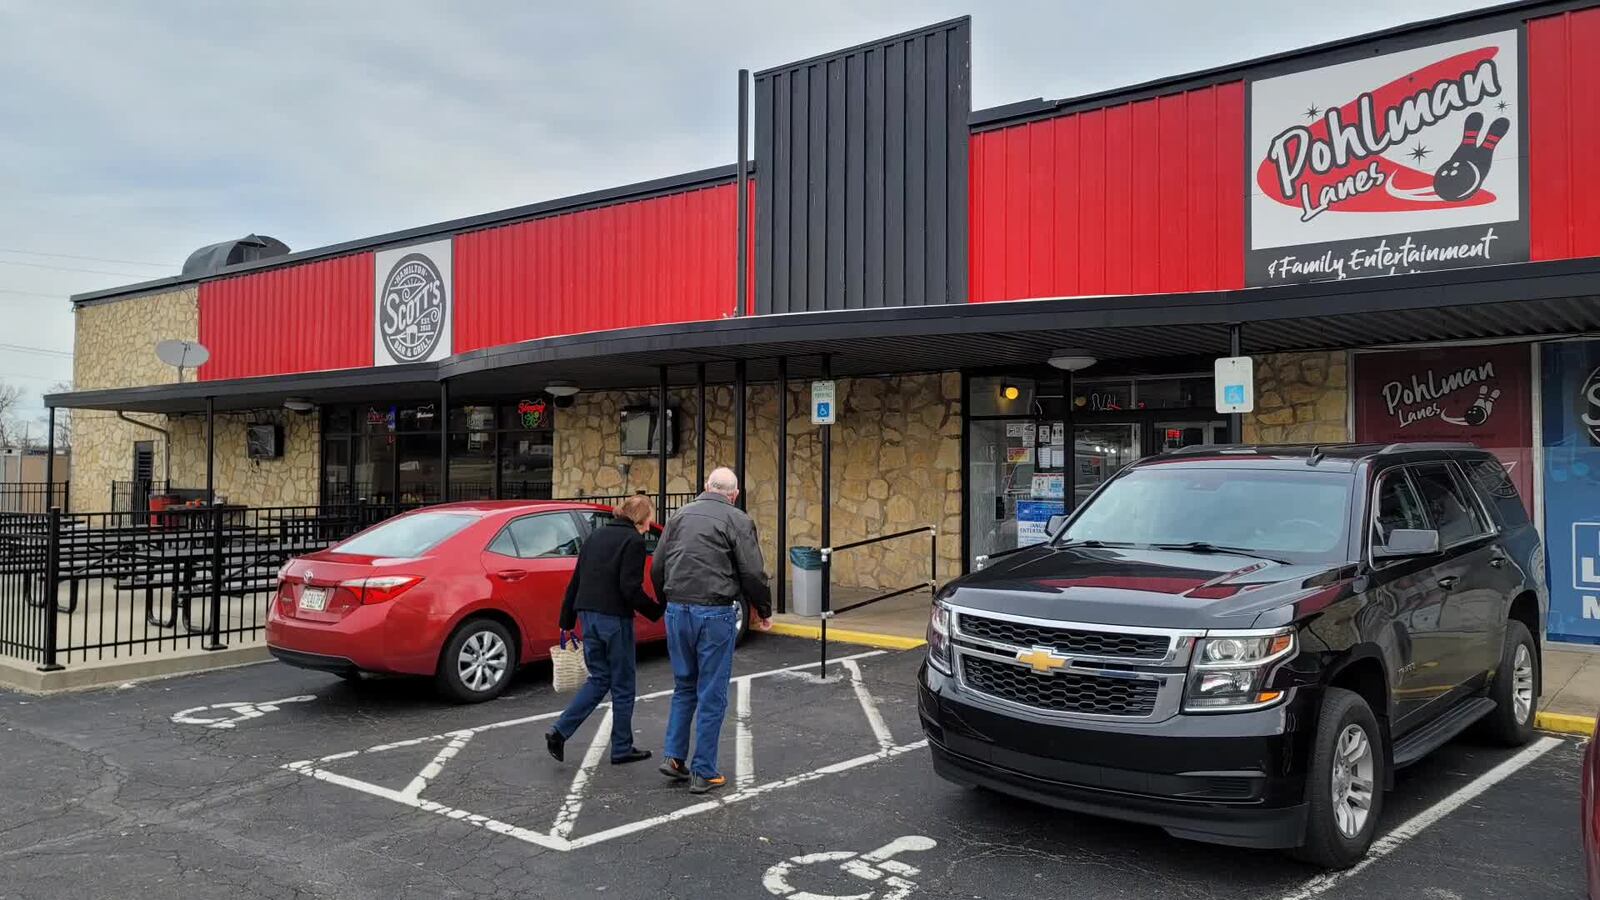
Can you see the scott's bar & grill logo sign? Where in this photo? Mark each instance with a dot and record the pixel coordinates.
(1405, 162)
(412, 306)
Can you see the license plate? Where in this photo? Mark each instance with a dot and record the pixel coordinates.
(313, 599)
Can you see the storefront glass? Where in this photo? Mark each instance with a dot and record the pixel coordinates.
(1570, 394)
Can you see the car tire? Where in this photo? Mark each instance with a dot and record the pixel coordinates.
(1347, 751)
(741, 622)
(478, 661)
(351, 675)
(1515, 689)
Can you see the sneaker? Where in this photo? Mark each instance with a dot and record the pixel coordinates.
(699, 785)
(632, 756)
(556, 744)
(674, 769)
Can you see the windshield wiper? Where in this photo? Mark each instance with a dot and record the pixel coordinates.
(1208, 547)
(1091, 542)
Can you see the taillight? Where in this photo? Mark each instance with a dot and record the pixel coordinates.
(380, 588)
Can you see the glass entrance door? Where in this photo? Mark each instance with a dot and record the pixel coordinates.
(1016, 482)
(1099, 452)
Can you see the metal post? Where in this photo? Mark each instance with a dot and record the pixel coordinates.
(1069, 464)
(827, 525)
(743, 180)
(782, 561)
(661, 443)
(1235, 420)
(52, 583)
(443, 418)
(739, 427)
(50, 461)
(213, 639)
(700, 427)
(211, 450)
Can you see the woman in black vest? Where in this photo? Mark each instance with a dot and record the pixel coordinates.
(607, 588)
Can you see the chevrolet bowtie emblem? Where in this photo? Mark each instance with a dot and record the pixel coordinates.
(1041, 659)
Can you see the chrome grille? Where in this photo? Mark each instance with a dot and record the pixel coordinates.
(1064, 692)
(1066, 641)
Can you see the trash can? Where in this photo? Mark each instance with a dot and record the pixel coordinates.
(805, 571)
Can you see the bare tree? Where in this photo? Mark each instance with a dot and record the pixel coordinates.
(11, 426)
(63, 418)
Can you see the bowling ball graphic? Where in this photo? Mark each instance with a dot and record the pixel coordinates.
(1457, 180)
(1463, 173)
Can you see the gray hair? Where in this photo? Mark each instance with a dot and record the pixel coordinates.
(723, 481)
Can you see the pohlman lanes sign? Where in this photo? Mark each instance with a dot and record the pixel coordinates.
(1405, 162)
(412, 299)
(1235, 378)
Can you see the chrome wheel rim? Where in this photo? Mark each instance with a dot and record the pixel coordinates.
(1352, 780)
(1522, 683)
(482, 661)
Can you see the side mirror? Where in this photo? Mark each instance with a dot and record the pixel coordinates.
(1408, 542)
(1054, 525)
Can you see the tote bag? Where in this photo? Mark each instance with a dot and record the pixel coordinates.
(568, 671)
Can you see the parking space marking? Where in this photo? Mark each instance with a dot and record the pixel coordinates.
(432, 769)
(1419, 823)
(744, 765)
(236, 712)
(568, 816)
(869, 867)
(559, 837)
(869, 706)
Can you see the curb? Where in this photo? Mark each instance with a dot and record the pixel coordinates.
(1562, 723)
(845, 636)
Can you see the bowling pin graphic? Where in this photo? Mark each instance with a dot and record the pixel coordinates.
(1483, 407)
(1463, 173)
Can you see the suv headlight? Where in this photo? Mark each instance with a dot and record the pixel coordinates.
(939, 637)
(1230, 669)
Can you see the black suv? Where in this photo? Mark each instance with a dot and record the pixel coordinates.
(1241, 644)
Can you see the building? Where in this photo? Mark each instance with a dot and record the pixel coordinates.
(1400, 229)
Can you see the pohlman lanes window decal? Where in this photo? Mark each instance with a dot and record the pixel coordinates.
(1406, 162)
(412, 306)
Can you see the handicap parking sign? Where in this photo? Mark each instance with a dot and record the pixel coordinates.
(822, 398)
(1586, 556)
(1233, 394)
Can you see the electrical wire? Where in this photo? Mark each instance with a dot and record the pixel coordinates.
(117, 262)
(39, 350)
(145, 275)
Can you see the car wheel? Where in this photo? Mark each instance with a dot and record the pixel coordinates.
(1515, 690)
(477, 662)
(741, 622)
(1345, 782)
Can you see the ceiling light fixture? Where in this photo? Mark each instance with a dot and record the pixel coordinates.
(1072, 360)
(561, 389)
(298, 404)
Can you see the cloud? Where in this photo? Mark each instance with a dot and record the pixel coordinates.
(143, 131)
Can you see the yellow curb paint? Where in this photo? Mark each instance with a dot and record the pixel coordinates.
(844, 636)
(1562, 723)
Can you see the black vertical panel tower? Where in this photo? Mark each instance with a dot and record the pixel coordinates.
(861, 175)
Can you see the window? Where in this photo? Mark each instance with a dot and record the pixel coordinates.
(1453, 513)
(545, 535)
(1398, 507)
(406, 536)
(1494, 485)
(503, 544)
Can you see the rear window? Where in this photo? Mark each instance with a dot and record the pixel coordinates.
(1493, 483)
(411, 535)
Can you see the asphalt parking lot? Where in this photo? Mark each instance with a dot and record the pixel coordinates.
(266, 781)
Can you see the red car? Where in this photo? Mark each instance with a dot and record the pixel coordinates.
(464, 592)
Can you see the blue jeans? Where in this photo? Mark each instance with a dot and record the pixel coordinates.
(700, 642)
(608, 651)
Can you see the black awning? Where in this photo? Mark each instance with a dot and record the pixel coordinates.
(1523, 300)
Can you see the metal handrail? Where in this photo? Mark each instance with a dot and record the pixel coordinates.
(828, 612)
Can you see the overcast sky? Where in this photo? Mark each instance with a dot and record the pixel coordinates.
(134, 133)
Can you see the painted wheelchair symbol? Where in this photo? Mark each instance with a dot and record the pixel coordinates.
(235, 712)
(877, 867)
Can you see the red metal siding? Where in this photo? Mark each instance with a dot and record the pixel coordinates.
(644, 262)
(299, 318)
(1144, 197)
(1564, 135)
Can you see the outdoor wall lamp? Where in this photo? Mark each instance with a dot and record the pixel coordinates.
(1010, 391)
(1072, 360)
(561, 389)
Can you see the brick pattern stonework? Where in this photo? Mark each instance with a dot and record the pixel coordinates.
(1300, 398)
(114, 347)
(896, 466)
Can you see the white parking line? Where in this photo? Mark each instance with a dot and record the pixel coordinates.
(1419, 823)
(744, 771)
(869, 706)
(432, 769)
(568, 816)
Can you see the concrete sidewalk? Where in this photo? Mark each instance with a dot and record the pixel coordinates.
(1571, 680)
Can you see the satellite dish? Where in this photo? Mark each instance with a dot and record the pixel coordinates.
(182, 354)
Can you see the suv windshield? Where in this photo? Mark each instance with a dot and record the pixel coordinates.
(1297, 515)
(406, 536)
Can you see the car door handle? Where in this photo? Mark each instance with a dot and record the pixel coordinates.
(510, 574)
(1449, 581)
(1497, 561)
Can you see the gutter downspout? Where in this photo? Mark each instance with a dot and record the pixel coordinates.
(166, 445)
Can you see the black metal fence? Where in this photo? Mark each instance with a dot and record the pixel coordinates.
(32, 496)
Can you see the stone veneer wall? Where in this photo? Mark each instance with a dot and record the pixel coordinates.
(114, 347)
(896, 465)
(290, 480)
(1300, 398)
